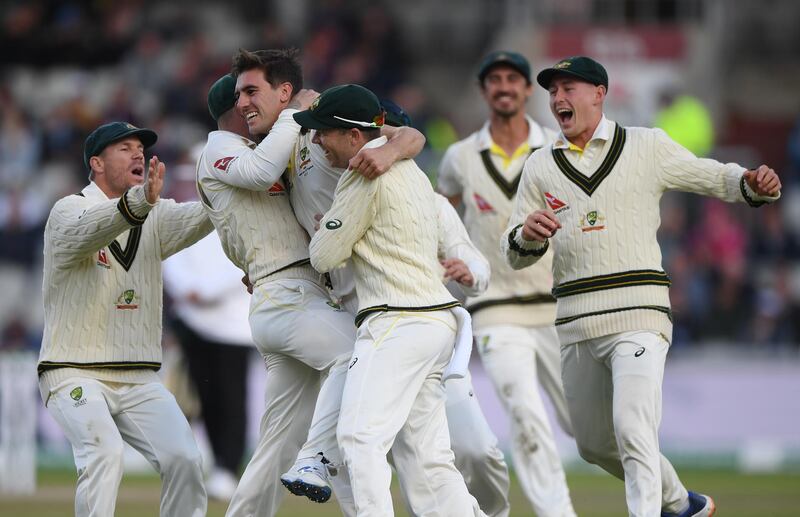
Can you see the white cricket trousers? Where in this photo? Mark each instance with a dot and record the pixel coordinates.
(478, 457)
(98, 416)
(394, 399)
(613, 389)
(306, 343)
(518, 359)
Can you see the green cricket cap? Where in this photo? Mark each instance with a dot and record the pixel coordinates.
(581, 67)
(109, 133)
(505, 57)
(345, 106)
(221, 96)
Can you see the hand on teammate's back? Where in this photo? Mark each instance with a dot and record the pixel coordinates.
(303, 99)
(764, 181)
(155, 180)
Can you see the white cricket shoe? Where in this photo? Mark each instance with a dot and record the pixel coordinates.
(309, 477)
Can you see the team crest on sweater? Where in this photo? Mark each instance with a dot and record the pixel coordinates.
(592, 221)
(128, 300)
(555, 204)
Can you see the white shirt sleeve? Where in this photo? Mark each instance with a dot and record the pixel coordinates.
(679, 169)
(254, 169)
(454, 242)
(448, 182)
(350, 216)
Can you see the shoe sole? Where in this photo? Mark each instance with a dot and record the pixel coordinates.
(318, 494)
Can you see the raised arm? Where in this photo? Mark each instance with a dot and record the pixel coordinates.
(679, 169)
(78, 228)
(345, 223)
(403, 143)
(235, 163)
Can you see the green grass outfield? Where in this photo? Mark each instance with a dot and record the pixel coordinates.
(594, 495)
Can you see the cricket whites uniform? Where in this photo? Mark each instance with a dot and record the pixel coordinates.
(477, 455)
(102, 343)
(294, 324)
(613, 313)
(513, 318)
(393, 397)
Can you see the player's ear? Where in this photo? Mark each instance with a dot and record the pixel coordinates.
(286, 92)
(96, 164)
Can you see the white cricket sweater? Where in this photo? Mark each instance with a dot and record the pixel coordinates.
(607, 261)
(488, 189)
(102, 283)
(240, 186)
(385, 226)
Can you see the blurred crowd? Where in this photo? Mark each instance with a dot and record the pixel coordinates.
(69, 66)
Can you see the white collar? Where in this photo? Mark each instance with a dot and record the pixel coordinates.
(535, 135)
(604, 131)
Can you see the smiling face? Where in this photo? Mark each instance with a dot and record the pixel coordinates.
(339, 145)
(506, 91)
(577, 106)
(119, 166)
(258, 102)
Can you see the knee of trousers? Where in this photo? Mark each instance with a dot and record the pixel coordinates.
(597, 452)
(185, 458)
(477, 454)
(107, 454)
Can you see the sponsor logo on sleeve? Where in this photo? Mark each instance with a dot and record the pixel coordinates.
(223, 163)
(333, 224)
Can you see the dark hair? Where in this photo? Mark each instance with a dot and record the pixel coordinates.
(370, 133)
(279, 66)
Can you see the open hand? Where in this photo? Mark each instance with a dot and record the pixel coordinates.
(155, 180)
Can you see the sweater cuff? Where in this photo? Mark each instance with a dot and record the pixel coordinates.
(133, 205)
(753, 199)
(524, 247)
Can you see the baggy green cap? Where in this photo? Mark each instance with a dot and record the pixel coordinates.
(582, 67)
(345, 106)
(109, 133)
(505, 57)
(221, 96)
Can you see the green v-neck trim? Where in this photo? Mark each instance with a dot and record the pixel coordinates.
(125, 257)
(590, 184)
(508, 188)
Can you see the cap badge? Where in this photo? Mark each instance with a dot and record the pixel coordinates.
(563, 64)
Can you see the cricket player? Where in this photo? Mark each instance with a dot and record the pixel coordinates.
(294, 325)
(314, 179)
(408, 322)
(595, 194)
(101, 347)
(513, 320)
